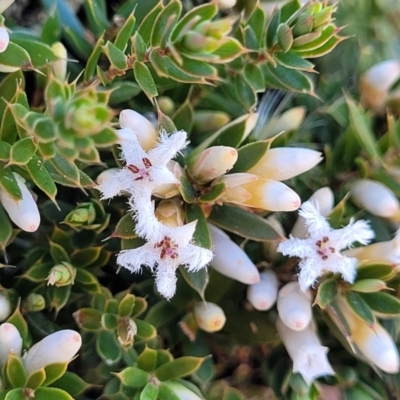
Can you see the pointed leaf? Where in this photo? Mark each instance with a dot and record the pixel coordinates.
(145, 80)
(178, 368)
(360, 307)
(382, 303)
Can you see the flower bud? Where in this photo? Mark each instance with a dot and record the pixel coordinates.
(282, 163)
(294, 306)
(60, 66)
(216, 29)
(374, 342)
(262, 295)
(304, 348)
(375, 198)
(323, 17)
(288, 121)
(126, 331)
(106, 175)
(376, 82)
(170, 213)
(166, 104)
(325, 200)
(226, 4)
(209, 317)
(84, 214)
(230, 260)
(23, 212)
(177, 390)
(285, 37)
(61, 275)
(10, 342)
(199, 43)
(4, 39)
(209, 121)
(33, 303)
(303, 25)
(212, 163)
(144, 130)
(59, 347)
(261, 193)
(5, 307)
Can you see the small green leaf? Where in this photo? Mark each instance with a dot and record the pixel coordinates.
(197, 280)
(133, 377)
(125, 228)
(245, 93)
(109, 321)
(72, 384)
(382, 303)
(228, 51)
(54, 372)
(116, 56)
(254, 77)
(327, 290)
(256, 22)
(15, 371)
(374, 270)
(96, 15)
(149, 392)
(9, 183)
(58, 297)
(107, 347)
(123, 91)
(22, 151)
(40, 53)
(360, 307)
(139, 47)
(88, 319)
(249, 155)
(201, 235)
(51, 31)
(273, 27)
(215, 192)
(147, 359)
(321, 51)
(145, 331)
(146, 26)
(36, 379)
(82, 258)
(325, 35)
(125, 33)
(92, 61)
(6, 231)
(368, 285)
(58, 253)
(46, 393)
(126, 305)
(145, 80)
(15, 56)
(178, 368)
(183, 117)
(243, 223)
(293, 61)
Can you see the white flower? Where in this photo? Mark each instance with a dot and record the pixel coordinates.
(320, 251)
(5, 307)
(4, 39)
(262, 295)
(304, 348)
(164, 255)
(59, 347)
(10, 342)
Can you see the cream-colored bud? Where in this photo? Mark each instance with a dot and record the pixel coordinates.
(325, 200)
(289, 120)
(226, 4)
(375, 197)
(61, 275)
(4, 39)
(145, 132)
(282, 163)
(263, 193)
(60, 66)
(304, 348)
(166, 104)
(376, 82)
(24, 212)
(262, 295)
(178, 391)
(168, 190)
(230, 260)
(106, 175)
(374, 342)
(5, 307)
(59, 347)
(10, 342)
(170, 213)
(209, 316)
(294, 306)
(211, 163)
(209, 121)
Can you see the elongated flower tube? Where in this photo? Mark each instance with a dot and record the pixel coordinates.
(134, 123)
(5, 307)
(294, 306)
(10, 342)
(252, 191)
(59, 347)
(163, 255)
(375, 198)
(282, 163)
(262, 295)
(325, 200)
(4, 39)
(320, 251)
(376, 82)
(308, 355)
(23, 212)
(374, 342)
(60, 66)
(209, 316)
(179, 391)
(230, 260)
(387, 251)
(212, 163)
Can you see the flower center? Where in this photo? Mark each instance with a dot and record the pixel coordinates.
(141, 172)
(168, 248)
(323, 248)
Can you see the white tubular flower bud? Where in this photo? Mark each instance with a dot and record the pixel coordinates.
(59, 347)
(282, 163)
(209, 316)
(4, 39)
(262, 295)
(226, 4)
(308, 355)
(170, 213)
(288, 121)
(106, 175)
(376, 82)
(294, 306)
(325, 200)
(10, 342)
(5, 307)
(144, 130)
(24, 212)
(181, 391)
(212, 163)
(374, 342)
(60, 66)
(375, 198)
(230, 260)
